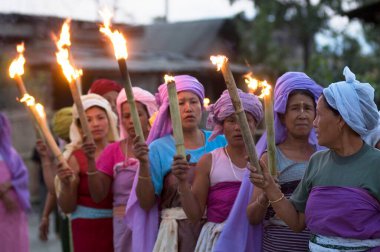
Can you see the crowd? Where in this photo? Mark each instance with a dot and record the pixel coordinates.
(118, 193)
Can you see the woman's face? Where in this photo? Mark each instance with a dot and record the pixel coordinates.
(190, 109)
(326, 124)
(299, 115)
(111, 97)
(232, 132)
(98, 122)
(126, 118)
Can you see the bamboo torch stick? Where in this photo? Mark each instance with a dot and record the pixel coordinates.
(121, 54)
(72, 75)
(222, 64)
(175, 115)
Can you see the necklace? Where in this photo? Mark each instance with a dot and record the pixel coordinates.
(231, 165)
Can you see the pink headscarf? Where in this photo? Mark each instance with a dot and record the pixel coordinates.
(163, 125)
(140, 95)
(223, 108)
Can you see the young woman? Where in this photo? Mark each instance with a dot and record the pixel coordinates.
(156, 180)
(117, 165)
(338, 199)
(219, 173)
(14, 194)
(295, 95)
(91, 221)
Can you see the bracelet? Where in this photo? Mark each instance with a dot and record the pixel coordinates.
(144, 178)
(91, 173)
(277, 200)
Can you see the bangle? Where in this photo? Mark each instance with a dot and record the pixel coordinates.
(277, 200)
(144, 177)
(91, 173)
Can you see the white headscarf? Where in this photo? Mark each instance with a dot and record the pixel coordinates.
(90, 100)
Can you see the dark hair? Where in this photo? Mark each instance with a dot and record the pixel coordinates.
(336, 112)
(303, 92)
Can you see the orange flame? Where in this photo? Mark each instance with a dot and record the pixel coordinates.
(169, 78)
(219, 61)
(28, 100)
(17, 65)
(266, 89)
(206, 102)
(118, 41)
(251, 82)
(62, 55)
(41, 110)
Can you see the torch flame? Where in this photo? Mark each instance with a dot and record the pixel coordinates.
(218, 61)
(169, 78)
(251, 82)
(40, 109)
(266, 88)
(206, 102)
(62, 55)
(17, 65)
(118, 41)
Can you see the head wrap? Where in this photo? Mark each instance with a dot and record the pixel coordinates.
(223, 108)
(90, 100)
(373, 137)
(61, 123)
(286, 84)
(14, 163)
(354, 101)
(241, 239)
(162, 124)
(140, 95)
(103, 86)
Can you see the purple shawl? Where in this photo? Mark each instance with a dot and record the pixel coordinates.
(248, 237)
(14, 163)
(162, 125)
(220, 200)
(344, 212)
(223, 108)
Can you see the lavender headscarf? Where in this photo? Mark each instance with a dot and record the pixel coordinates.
(162, 124)
(16, 166)
(248, 237)
(355, 103)
(223, 108)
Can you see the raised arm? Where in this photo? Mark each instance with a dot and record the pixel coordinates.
(193, 198)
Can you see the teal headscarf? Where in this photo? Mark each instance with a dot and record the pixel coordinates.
(354, 101)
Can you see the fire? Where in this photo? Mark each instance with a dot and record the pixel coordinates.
(206, 102)
(218, 61)
(169, 78)
(62, 55)
(41, 110)
(251, 82)
(17, 65)
(266, 88)
(28, 100)
(118, 41)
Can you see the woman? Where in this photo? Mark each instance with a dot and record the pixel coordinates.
(91, 222)
(155, 178)
(295, 96)
(108, 89)
(338, 199)
(117, 164)
(292, 156)
(14, 194)
(219, 173)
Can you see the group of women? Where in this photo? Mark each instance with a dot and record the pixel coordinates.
(124, 194)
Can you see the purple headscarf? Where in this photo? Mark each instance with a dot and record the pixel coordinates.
(223, 108)
(16, 166)
(248, 237)
(162, 124)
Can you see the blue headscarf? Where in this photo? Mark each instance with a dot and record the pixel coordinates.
(355, 103)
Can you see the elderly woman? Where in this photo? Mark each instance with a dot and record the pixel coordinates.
(14, 194)
(156, 180)
(219, 173)
(338, 198)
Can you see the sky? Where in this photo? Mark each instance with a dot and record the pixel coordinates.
(144, 12)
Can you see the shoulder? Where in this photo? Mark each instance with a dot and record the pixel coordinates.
(205, 162)
(163, 141)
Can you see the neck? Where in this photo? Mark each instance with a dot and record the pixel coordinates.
(297, 143)
(236, 151)
(348, 144)
(193, 138)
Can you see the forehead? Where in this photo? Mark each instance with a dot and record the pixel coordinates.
(125, 106)
(95, 110)
(300, 98)
(187, 95)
